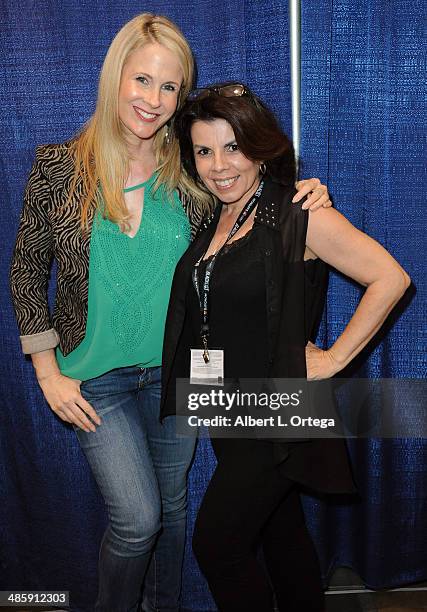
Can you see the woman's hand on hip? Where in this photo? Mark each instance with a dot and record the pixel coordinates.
(63, 393)
(63, 396)
(317, 193)
(320, 364)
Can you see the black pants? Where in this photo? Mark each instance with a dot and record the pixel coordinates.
(248, 503)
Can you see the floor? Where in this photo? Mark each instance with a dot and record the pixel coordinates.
(339, 599)
(391, 601)
(412, 599)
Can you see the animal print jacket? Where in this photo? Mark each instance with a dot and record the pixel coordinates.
(50, 229)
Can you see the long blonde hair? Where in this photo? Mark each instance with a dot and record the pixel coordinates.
(101, 156)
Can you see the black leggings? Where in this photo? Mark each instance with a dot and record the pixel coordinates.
(248, 503)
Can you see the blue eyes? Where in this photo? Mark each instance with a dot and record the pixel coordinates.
(166, 87)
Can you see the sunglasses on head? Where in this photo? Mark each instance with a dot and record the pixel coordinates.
(227, 91)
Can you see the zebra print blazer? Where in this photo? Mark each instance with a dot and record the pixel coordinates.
(50, 229)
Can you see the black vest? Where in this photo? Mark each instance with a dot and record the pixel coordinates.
(295, 295)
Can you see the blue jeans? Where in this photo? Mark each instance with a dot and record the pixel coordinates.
(140, 466)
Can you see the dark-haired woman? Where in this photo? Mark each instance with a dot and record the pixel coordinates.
(252, 286)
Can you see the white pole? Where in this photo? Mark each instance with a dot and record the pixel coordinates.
(295, 55)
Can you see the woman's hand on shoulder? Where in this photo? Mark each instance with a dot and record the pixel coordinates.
(320, 364)
(63, 396)
(318, 196)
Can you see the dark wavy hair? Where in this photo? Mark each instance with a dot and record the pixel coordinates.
(256, 129)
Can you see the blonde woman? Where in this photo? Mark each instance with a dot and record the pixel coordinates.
(114, 188)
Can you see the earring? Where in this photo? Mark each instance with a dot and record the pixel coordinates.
(168, 134)
(263, 168)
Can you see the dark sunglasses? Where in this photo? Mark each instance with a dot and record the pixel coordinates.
(227, 91)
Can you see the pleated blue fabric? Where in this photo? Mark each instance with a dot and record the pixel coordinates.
(362, 133)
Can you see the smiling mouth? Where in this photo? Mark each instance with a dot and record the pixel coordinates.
(144, 115)
(225, 183)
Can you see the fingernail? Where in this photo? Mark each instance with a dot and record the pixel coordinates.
(296, 198)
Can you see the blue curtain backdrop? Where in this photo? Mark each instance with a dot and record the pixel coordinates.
(363, 131)
(362, 124)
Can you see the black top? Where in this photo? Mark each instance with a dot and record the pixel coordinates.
(237, 308)
(272, 323)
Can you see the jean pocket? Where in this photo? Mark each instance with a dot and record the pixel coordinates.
(107, 384)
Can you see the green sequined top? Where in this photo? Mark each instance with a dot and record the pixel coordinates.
(129, 287)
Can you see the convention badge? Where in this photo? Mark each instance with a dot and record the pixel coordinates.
(210, 372)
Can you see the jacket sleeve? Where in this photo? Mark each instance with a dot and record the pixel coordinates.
(31, 264)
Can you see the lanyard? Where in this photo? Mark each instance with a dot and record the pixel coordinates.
(204, 330)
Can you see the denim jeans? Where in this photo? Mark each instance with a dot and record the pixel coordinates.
(140, 466)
